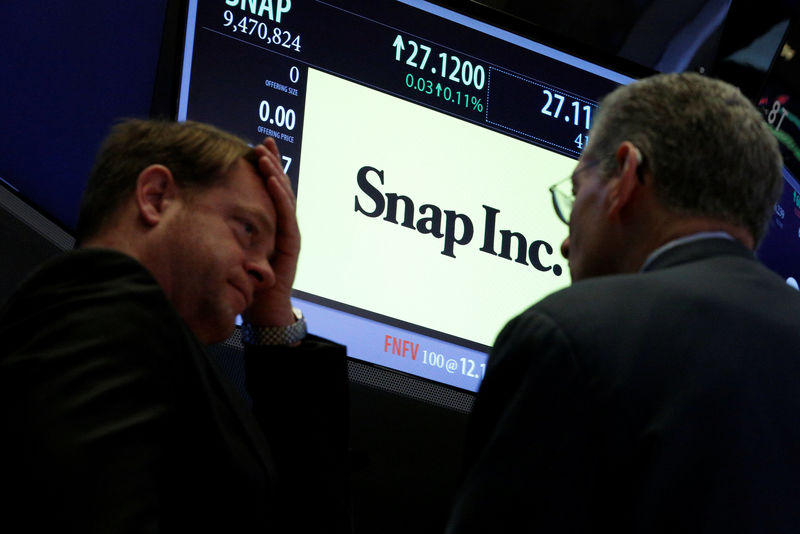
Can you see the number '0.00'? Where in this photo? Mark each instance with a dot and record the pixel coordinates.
(283, 117)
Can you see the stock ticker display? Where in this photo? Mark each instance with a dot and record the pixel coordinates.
(780, 249)
(421, 144)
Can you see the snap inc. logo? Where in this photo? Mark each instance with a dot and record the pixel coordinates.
(456, 229)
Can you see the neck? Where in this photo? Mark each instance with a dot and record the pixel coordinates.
(672, 228)
(114, 240)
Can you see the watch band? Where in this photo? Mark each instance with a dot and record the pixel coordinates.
(276, 335)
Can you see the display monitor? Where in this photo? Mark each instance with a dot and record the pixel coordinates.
(780, 249)
(422, 144)
(421, 139)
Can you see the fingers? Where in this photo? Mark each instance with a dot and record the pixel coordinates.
(285, 207)
(272, 146)
(279, 188)
(271, 164)
(272, 157)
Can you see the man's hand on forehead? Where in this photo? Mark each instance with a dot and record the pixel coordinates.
(269, 159)
(270, 165)
(273, 306)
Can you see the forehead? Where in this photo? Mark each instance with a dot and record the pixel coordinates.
(242, 190)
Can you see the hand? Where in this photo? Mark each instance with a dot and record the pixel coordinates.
(272, 306)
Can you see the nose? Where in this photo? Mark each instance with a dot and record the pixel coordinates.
(260, 271)
(565, 248)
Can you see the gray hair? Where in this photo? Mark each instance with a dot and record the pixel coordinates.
(710, 151)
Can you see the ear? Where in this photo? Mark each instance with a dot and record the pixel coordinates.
(155, 188)
(621, 188)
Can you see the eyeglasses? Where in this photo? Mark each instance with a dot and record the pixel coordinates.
(564, 198)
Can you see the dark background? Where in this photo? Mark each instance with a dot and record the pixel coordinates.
(69, 70)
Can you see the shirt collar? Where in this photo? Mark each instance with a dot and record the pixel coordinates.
(682, 241)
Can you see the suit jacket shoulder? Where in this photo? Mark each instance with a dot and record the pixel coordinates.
(122, 422)
(645, 402)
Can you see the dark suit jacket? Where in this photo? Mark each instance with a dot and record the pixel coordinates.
(115, 419)
(663, 401)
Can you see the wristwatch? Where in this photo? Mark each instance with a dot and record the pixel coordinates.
(276, 335)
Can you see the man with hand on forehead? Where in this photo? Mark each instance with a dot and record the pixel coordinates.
(660, 392)
(116, 419)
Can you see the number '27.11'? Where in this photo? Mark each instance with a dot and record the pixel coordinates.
(555, 100)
